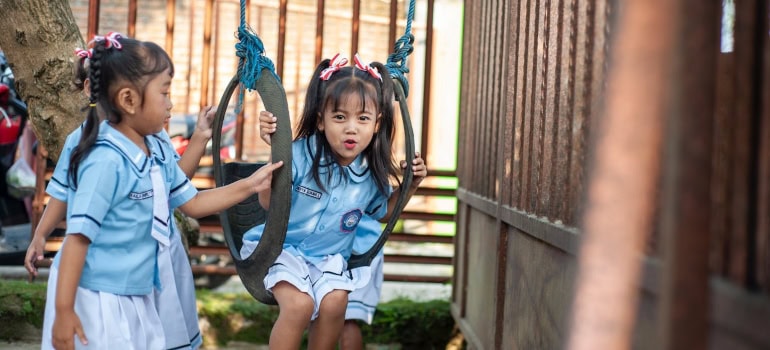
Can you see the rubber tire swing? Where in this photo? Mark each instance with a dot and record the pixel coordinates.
(247, 214)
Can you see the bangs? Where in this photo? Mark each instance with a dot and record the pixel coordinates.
(341, 91)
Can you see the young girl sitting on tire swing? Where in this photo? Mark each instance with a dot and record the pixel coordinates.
(341, 170)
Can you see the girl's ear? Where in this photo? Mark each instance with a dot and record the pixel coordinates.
(87, 87)
(127, 100)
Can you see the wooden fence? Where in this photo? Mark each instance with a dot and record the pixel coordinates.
(613, 175)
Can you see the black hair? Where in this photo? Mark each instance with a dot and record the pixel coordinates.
(135, 63)
(378, 154)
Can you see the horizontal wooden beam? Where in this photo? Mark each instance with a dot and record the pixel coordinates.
(391, 258)
(230, 271)
(557, 235)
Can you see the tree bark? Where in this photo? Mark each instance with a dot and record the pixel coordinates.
(38, 38)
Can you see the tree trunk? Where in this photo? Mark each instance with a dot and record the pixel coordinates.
(38, 38)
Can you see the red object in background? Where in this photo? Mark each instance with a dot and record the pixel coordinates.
(180, 144)
(10, 126)
(5, 94)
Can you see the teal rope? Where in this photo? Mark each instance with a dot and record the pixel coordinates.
(396, 62)
(251, 57)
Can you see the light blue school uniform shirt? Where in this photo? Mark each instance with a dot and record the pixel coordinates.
(58, 187)
(367, 233)
(323, 223)
(113, 206)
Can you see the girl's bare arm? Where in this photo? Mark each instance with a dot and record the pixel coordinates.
(215, 200)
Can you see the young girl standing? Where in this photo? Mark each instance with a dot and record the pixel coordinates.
(178, 298)
(342, 167)
(122, 182)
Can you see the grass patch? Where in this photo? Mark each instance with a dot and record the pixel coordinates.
(21, 308)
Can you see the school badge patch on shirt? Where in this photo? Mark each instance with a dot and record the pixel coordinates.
(350, 220)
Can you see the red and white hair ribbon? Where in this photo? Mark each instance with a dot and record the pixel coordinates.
(336, 63)
(111, 40)
(367, 68)
(82, 53)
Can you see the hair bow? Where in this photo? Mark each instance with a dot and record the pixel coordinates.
(337, 62)
(82, 53)
(111, 40)
(374, 72)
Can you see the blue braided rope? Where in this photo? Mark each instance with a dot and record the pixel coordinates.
(251, 57)
(396, 62)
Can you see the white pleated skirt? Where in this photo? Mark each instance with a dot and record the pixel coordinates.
(109, 321)
(316, 280)
(176, 300)
(362, 302)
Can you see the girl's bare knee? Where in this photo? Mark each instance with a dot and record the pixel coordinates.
(292, 302)
(334, 303)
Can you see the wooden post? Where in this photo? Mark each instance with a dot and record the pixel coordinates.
(623, 183)
(683, 317)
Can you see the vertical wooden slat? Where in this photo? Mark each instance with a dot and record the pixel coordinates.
(393, 22)
(282, 12)
(478, 115)
(529, 104)
(190, 45)
(132, 9)
(298, 79)
(319, 30)
(465, 162)
(499, 92)
(508, 131)
(478, 135)
(491, 102)
(565, 114)
(215, 29)
(762, 273)
(538, 97)
(582, 106)
(551, 108)
(355, 26)
(206, 61)
(519, 102)
(170, 21)
(684, 317)
(502, 31)
(93, 18)
(722, 163)
(486, 177)
(620, 195)
(426, 92)
(745, 100)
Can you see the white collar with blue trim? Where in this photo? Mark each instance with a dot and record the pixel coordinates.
(111, 137)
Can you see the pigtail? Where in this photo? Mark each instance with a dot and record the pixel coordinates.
(309, 121)
(381, 160)
(91, 128)
(308, 124)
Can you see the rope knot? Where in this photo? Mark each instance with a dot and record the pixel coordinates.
(396, 62)
(252, 59)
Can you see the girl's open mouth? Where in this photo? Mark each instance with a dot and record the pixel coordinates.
(350, 144)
